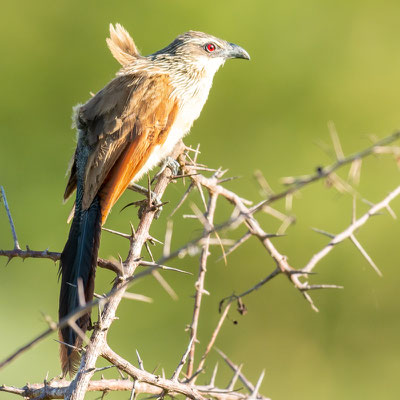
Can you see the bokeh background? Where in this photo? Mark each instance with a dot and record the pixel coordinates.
(312, 62)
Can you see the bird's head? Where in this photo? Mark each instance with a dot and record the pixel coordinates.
(201, 52)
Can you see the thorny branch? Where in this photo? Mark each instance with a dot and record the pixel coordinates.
(350, 230)
(199, 285)
(243, 214)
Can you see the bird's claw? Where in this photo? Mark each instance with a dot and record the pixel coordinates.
(152, 201)
(170, 163)
(155, 205)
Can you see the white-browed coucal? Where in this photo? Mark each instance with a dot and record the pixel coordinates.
(127, 128)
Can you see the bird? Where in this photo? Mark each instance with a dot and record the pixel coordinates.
(123, 131)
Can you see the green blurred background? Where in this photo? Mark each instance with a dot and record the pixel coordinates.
(312, 61)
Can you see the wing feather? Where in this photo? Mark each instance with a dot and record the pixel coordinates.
(121, 126)
(134, 157)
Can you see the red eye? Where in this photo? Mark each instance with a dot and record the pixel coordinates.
(210, 47)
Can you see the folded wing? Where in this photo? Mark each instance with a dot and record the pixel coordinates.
(121, 126)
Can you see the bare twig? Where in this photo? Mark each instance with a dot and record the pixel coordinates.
(349, 231)
(58, 389)
(51, 255)
(10, 220)
(214, 336)
(199, 285)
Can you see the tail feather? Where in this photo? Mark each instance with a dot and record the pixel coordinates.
(78, 261)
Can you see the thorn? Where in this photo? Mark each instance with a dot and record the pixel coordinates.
(132, 396)
(103, 368)
(168, 238)
(201, 217)
(214, 374)
(124, 235)
(153, 240)
(137, 297)
(121, 262)
(81, 293)
(178, 370)
(355, 171)
(234, 378)
(133, 232)
(219, 173)
(78, 331)
(301, 272)
(198, 372)
(146, 245)
(183, 176)
(335, 140)
(165, 285)
(391, 212)
(258, 384)
(99, 317)
(139, 361)
(121, 374)
(289, 202)
(273, 235)
(70, 345)
(155, 369)
(203, 199)
(149, 182)
(310, 300)
(234, 367)
(264, 185)
(286, 222)
(365, 254)
(370, 203)
(323, 286)
(164, 267)
(189, 216)
(182, 200)
(330, 235)
(49, 321)
(201, 167)
(10, 220)
(196, 151)
(228, 179)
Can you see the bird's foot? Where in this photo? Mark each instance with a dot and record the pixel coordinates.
(152, 201)
(156, 205)
(170, 163)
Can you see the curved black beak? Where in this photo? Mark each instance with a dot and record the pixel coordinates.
(235, 51)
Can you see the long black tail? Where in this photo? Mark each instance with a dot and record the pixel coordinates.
(78, 263)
